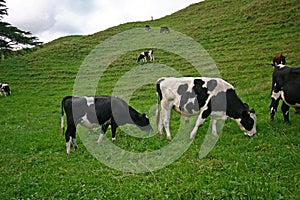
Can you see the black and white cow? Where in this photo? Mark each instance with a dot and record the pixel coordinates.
(146, 54)
(147, 28)
(164, 29)
(285, 86)
(91, 112)
(202, 96)
(4, 89)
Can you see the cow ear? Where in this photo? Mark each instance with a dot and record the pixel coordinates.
(246, 106)
(252, 111)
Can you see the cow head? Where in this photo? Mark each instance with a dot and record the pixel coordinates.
(278, 59)
(142, 121)
(247, 122)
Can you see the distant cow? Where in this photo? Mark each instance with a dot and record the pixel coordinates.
(147, 28)
(4, 89)
(146, 54)
(202, 96)
(91, 112)
(164, 29)
(285, 86)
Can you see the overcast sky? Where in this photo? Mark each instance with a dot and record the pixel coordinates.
(50, 19)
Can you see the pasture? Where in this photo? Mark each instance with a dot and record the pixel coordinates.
(242, 38)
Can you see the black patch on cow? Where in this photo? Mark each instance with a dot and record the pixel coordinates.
(182, 89)
(185, 96)
(211, 85)
(219, 102)
(201, 92)
(234, 105)
(190, 107)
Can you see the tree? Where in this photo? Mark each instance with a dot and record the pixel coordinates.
(11, 37)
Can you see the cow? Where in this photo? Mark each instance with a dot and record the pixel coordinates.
(4, 89)
(93, 111)
(164, 29)
(285, 86)
(147, 28)
(202, 96)
(146, 54)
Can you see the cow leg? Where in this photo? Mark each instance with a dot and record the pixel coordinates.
(201, 118)
(70, 133)
(114, 127)
(285, 111)
(199, 122)
(186, 119)
(103, 131)
(152, 58)
(75, 143)
(214, 127)
(273, 107)
(164, 120)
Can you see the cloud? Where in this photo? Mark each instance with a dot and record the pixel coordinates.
(49, 19)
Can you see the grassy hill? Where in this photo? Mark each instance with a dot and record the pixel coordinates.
(240, 36)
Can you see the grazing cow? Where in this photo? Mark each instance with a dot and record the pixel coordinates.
(285, 86)
(164, 29)
(147, 28)
(91, 112)
(146, 54)
(202, 96)
(4, 89)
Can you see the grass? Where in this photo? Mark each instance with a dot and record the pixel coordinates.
(241, 37)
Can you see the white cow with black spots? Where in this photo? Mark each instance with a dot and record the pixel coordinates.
(201, 96)
(146, 55)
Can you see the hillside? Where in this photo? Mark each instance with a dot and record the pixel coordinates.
(240, 36)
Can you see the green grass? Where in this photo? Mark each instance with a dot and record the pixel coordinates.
(241, 36)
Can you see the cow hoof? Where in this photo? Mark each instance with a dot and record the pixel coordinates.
(76, 148)
(113, 139)
(169, 137)
(215, 134)
(159, 135)
(192, 136)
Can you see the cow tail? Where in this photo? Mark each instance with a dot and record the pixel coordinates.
(159, 98)
(158, 108)
(62, 126)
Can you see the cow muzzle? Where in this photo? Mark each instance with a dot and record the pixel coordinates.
(250, 133)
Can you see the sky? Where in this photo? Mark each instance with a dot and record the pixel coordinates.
(51, 19)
